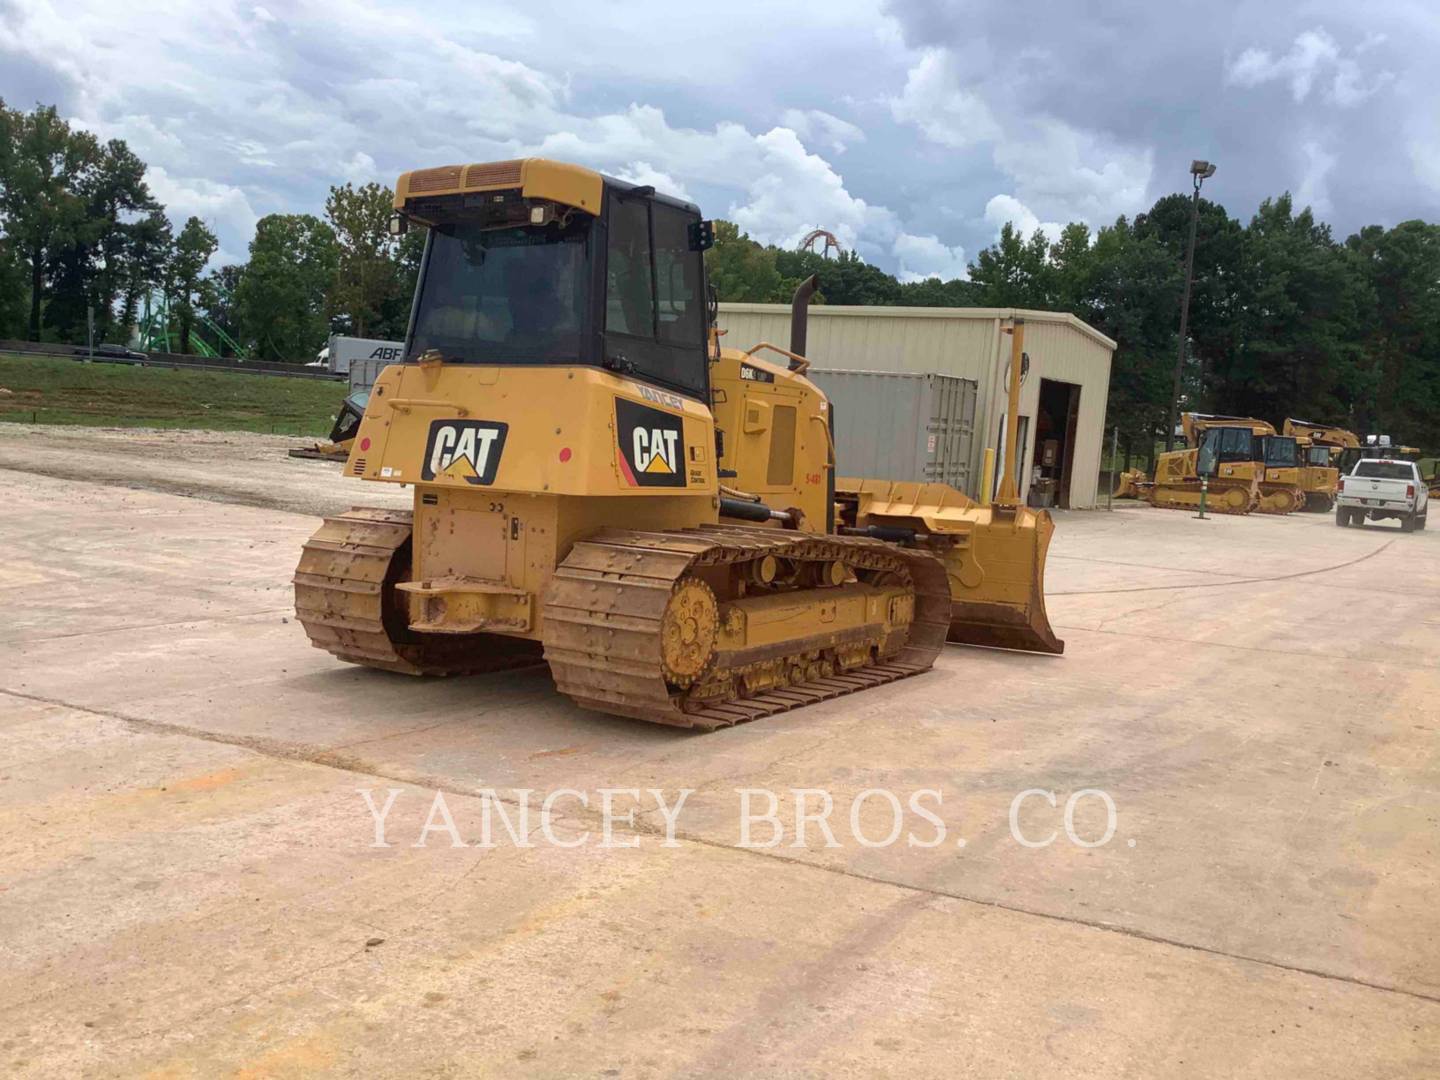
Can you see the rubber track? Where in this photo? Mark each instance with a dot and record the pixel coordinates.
(1156, 498)
(1297, 498)
(605, 603)
(343, 584)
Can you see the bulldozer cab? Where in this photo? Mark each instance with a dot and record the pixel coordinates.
(1224, 445)
(1318, 456)
(1279, 451)
(543, 267)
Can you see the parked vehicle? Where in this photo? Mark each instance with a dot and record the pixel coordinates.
(1380, 488)
(110, 351)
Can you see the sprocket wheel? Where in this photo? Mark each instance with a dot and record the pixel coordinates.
(688, 630)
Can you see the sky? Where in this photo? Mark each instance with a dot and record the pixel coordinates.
(911, 129)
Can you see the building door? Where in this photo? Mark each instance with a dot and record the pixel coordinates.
(1059, 419)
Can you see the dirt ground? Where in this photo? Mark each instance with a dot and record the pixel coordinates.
(190, 883)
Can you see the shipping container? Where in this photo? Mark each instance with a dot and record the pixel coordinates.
(892, 425)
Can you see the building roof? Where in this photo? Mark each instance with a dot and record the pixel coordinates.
(887, 312)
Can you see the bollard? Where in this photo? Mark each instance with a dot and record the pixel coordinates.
(1204, 491)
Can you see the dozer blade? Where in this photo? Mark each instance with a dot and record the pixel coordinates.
(994, 557)
(1132, 484)
(997, 584)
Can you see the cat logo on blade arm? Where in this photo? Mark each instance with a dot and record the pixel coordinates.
(467, 450)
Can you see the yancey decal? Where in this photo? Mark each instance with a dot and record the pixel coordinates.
(466, 450)
(652, 445)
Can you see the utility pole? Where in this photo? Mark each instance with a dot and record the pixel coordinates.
(1200, 171)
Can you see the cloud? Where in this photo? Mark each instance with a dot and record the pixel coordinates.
(792, 191)
(224, 208)
(1312, 51)
(1314, 57)
(818, 126)
(1313, 190)
(1069, 172)
(1076, 175)
(923, 257)
(944, 111)
(946, 118)
(642, 173)
(1005, 210)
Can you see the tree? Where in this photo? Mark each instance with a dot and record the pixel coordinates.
(14, 291)
(42, 168)
(740, 270)
(369, 273)
(281, 298)
(845, 279)
(1128, 292)
(148, 246)
(193, 248)
(1013, 272)
(1215, 324)
(1298, 320)
(1396, 381)
(217, 301)
(118, 203)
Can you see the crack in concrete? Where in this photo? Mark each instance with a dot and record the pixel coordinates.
(1227, 584)
(1201, 643)
(150, 626)
(328, 759)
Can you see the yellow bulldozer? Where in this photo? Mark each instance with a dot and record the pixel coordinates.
(1241, 464)
(597, 482)
(1321, 446)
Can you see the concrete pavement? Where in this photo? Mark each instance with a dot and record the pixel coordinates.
(188, 884)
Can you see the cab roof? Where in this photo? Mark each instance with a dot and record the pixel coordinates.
(534, 178)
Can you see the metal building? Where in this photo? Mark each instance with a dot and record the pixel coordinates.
(1062, 400)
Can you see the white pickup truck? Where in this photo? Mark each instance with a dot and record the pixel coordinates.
(1380, 488)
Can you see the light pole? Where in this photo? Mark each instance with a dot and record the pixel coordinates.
(1200, 171)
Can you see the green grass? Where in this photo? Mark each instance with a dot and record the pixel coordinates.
(46, 390)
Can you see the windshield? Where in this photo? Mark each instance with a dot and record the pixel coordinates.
(1385, 470)
(1279, 450)
(1318, 455)
(508, 295)
(1224, 444)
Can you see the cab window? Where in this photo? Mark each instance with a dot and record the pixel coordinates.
(677, 279)
(630, 293)
(654, 314)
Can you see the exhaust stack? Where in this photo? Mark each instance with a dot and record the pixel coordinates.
(800, 313)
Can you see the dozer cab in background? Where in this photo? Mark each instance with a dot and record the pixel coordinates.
(1321, 446)
(1280, 488)
(342, 435)
(1319, 478)
(554, 418)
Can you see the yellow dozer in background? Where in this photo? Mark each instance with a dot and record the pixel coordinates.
(1320, 448)
(597, 482)
(1247, 467)
(1225, 456)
